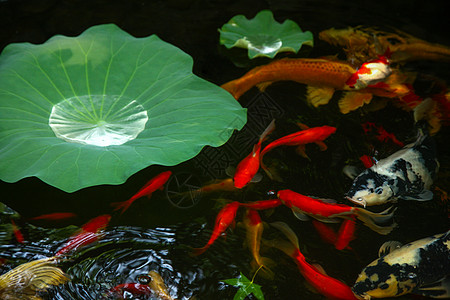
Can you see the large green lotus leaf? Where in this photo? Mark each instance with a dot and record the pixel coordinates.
(95, 109)
(263, 36)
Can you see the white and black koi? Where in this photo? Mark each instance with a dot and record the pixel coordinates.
(421, 267)
(406, 174)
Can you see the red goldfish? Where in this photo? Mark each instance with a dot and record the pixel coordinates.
(151, 186)
(254, 229)
(17, 233)
(249, 166)
(88, 234)
(371, 72)
(323, 211)
(223, 220)
(327, 234)
(311, 135)
(324, 284)
(55, 216)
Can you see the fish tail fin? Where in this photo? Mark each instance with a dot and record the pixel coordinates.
(234, 88)
(377, 221)
(269, 129)
(198, 251)
(263, 265)
(123, 205)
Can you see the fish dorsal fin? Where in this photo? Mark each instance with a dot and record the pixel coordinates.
(438, 289)
(388, 247)
(318, 95)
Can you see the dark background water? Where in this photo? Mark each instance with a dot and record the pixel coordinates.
(160, 232)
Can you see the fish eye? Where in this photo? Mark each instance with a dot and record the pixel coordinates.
(144, 279)
(379, 190)
(359, 199)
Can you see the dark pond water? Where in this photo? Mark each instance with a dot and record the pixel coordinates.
(157, 235)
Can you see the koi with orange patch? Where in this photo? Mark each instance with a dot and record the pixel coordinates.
(89, 233)
(310, 71)
(254, 229)
(311, 135)
(249, 166)
(224, 219)
(326, 285)
(17, 233)
(58, 216)
(151, 186)
(325, 212)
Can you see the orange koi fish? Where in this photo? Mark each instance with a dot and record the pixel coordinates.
(89, 233)
(346, 234)
(323, 211)
(314, 72)
(371, 72)
(323, 77)
(58, 216)
(17, 233)
(254, 229)
(151, 186)
(311, 135)
(223, 220)
(326, 285)
(249, 166)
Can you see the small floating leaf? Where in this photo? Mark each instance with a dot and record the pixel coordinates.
(246, 287)
(95, 109)
(263, 36)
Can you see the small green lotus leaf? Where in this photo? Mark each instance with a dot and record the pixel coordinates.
(96, 108)
(263, 36)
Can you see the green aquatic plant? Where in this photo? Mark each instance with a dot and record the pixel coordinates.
(246, 287)
(263, 36)
(96, 108)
